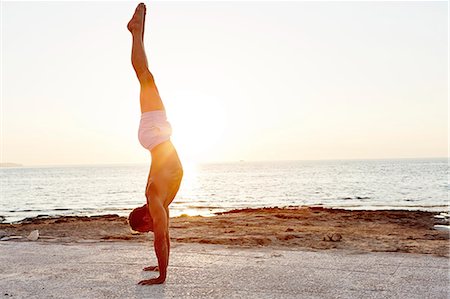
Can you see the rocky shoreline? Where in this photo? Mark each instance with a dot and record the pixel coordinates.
(313, 228)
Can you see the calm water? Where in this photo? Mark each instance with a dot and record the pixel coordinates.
(209, 188)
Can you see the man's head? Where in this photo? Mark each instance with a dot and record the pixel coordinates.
(141, 220)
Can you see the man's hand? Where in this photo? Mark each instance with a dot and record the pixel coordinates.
(157, 280)
(151, 268)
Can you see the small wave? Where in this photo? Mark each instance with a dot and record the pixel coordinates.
(357, 197)
(204, 207)
(121, 192)
(117, 209)
(21, 211)
(445, 228)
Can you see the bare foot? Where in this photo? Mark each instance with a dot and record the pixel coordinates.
(136, 24)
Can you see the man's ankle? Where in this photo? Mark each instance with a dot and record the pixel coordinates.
(137, 33)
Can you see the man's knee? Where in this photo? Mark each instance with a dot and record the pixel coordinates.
(146, 78)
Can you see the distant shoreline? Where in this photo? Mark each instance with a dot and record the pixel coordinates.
(10, 165)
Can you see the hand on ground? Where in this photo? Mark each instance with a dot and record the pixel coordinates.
(157, 280)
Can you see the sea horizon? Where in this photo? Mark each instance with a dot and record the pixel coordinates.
(214, 162)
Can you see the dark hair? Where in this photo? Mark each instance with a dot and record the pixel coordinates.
(136, 217)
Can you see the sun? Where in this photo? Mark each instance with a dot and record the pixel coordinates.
(198, 128)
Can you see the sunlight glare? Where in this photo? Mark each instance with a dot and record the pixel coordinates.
(198, 128)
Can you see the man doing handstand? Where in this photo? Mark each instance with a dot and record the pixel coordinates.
(166, 170)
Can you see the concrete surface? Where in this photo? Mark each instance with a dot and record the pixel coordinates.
(111, 270)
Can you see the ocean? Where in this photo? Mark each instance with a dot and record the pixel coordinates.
(412, 184)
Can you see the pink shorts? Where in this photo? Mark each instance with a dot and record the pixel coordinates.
(154, 129)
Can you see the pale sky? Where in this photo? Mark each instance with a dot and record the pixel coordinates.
(240, 80)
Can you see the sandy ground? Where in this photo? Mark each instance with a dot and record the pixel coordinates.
(314, 228)
(112, 270)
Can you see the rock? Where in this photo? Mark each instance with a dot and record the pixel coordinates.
(336, 237)
(332, 238)
(33, 236)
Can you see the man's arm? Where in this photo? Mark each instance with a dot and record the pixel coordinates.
(161, 238)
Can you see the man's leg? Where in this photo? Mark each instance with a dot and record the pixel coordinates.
(149, 97)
